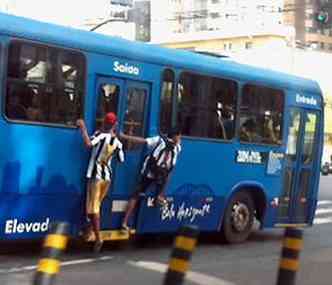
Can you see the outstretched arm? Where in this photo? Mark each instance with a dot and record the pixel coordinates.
(132, 138)
(80, 123)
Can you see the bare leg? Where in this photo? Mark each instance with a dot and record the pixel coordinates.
(96, 228)
(145, 182)
(130, 208)
(88, 232)
(95, 221)
(161, 185)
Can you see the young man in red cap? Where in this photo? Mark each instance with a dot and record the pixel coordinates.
(104, 144)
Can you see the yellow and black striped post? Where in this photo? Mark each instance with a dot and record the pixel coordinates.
(55, 243)
(185, 243)
(289, 261)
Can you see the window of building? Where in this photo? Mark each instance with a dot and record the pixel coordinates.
(166, 101)
(44, 84)
(248, 45)
(309, 16)
(311, 30)
(206, 106)
(214, 15)
(261, 115)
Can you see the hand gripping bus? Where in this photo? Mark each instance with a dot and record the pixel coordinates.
(251, 147)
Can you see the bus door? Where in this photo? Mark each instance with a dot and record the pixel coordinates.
(110, 92)
(133, 117)
(296, 199)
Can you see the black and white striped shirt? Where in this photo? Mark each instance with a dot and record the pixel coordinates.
(158, 145)
(104, 147)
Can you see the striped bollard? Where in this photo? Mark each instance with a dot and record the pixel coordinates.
(55, 243)
(185, 243)
(289, 260)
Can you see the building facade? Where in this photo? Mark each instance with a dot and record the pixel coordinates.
(185, 16)
(310, 33)
(221, 26)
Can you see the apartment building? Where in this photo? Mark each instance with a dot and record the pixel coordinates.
(222, 26)
(309, 33)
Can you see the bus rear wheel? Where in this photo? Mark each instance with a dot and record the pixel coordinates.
(238, 218)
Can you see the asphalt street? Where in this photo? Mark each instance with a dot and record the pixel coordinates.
(144, 262)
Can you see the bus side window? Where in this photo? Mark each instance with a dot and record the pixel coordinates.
(70, 85)
(293, 134)
(223, 96)
(206, 106)
(261, 115)
(26, 72)
(134, 115)
(309, 137)
(44, 84)
(166, 101)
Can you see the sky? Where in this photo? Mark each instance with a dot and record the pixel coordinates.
(64, 12)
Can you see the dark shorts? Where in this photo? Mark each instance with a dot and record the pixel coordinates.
(144, 184)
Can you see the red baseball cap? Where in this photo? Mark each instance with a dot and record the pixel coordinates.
(110, 118)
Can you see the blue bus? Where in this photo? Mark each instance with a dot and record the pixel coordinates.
(251, 147)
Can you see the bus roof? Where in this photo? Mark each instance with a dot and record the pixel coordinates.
(94, 42)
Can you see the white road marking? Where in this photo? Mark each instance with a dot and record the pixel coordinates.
(64, 263)
(323, 211)
(195, 277)
(319, 221)
(324, 202)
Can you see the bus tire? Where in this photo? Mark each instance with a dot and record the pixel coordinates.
(238, 218)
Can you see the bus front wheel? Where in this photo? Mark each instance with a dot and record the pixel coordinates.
(238, 218)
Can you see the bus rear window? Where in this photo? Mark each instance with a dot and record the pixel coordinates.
(44, 85)
(261, 115)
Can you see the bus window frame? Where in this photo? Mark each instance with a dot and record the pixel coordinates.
(174, 89)
(213, 76)
(259, 84)
(47, 46)
(318, 114)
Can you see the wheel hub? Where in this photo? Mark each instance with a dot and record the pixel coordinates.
(240, 216)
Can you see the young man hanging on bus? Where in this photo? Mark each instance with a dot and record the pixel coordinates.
(104, 144)
(156, 167)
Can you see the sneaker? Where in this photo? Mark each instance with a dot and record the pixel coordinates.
(97, 246)
(125, 228)
(88, 236)
(161, 201)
